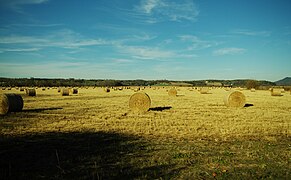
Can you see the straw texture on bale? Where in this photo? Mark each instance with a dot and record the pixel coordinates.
(204, 90)
(10, 103)
(65, 92)
(235, 99)
(139, 102)
(276, 92)
(75, 91)
(31, 92)
(172, 92)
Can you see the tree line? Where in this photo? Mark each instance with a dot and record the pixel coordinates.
(42, 82)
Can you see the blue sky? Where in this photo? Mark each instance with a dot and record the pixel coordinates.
(146, 39)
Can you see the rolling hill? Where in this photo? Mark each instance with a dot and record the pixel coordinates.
(284, 82)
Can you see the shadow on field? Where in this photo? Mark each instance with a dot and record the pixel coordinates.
(248, 105)
(180, 95)
(88, 155)
(160, 108)
(40, 109)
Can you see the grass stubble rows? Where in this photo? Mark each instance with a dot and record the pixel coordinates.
(93, 135)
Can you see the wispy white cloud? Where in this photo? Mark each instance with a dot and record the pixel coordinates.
(34, 25)
(18, 39)
(167, 10)
(139, 52)
(121, 61)
(196, 43)
(229, 51)
(16, 5)
(148, 5)
(247, 32)
(20, 50)
(61, 39)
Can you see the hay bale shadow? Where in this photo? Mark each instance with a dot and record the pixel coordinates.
(41, 109)
(75, 155)
(248, 105)
(180, 95)
(160, 108)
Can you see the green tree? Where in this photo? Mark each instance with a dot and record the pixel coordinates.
(252, 84)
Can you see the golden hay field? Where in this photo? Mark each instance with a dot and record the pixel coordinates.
(189, 115)
(172, 122)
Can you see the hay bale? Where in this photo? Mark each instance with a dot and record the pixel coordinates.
(10, 103)
(276, 92)
(204, 90)
(75, 91)
(139, 102)
(59, 89)
(227, 89)
(136, 89)
(65, 92)
(235, 99)
(172, 92)
(21, 89)
(106, 89)
(30, 92)
(253, 90)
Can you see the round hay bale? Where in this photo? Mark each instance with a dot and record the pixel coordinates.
(204, 90)
(75, 91)
(136, 89)
(235, 99)
(139, 102)
(30, 92)
(172, 92)
(65, 92)
(106, 89)
(276, 92)
(282, 90)
(10, 103)
(21, 89)
(253, 90)
(9, 88)
(59, 89)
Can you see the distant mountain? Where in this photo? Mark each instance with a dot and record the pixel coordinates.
(284, 82)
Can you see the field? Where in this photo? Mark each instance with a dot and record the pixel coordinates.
(94, 135)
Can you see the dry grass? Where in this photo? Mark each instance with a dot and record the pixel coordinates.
(194, 134)
(190, 115)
